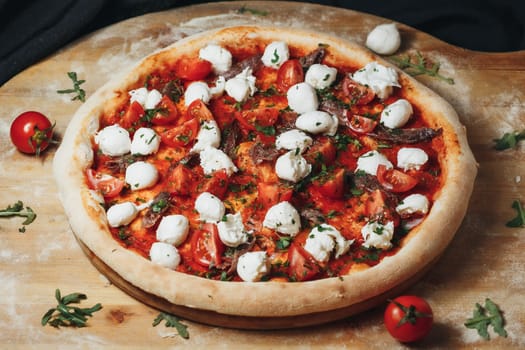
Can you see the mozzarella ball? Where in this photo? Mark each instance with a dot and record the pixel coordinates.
(412, 204)
(252, 266)
(302, 98)
(241, 86)
(283, 218)
(113, 140)
(275, 54)
(320, 76)
(219, 57)
(138, 95)
(292, 140)
(121, 214)
(213, 159)
(140, 175)
(384, 39)
(153, 99)
(145, 142)
(369, 162)
(209, 136)
(317, 122)
(164, 254)
(397, 114)
(209, 207)
(379, 78)
(231, 230)
(198, 90)
(292, 166)
(378, 235)
(173, 229)
(411, 158)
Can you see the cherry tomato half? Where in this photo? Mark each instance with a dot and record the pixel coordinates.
(302, 266)
(193, 68)
(408, 318)
(357, 93)
(31, 132)
(289, 74)
(110, 186)
(395, 180)
(206, 246)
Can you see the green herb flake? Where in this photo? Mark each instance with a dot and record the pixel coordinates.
(172, 321)
(483, 317)
(519, 220)
(509, 140)
(80, 93)
(418, 65)
(64, 315)
(18, 209)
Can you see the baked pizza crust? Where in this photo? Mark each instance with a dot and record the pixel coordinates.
(264, 299)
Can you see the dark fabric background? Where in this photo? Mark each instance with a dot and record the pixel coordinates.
(32, 29)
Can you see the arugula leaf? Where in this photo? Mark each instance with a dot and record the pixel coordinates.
(509, 140)
(17, 209)
(420, 66)
(483, 317)
(519, 220)
(80, 93)
(172, 321)
(69, 316)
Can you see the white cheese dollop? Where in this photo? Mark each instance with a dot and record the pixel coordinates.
(140, 175)
(198, 90)
(369, 162)
(396, 114)
(324, 239)
(252, 266)
(231, 230)
(213, 159)
(275, 54)
(317, 122)
(145, 141)
(219, 57)
(302, 98)
(320, 76)
(209, 136)
(292, 140)
(209, 207)
(113, 140)
(148, 99)
(378, 235)
(164, 254)
(292, 166)
(283, 218)
(173, 229)
(412, 204)
(379, 78)
(241, 86)
(121, 214)
(411, 158)
(384, 39)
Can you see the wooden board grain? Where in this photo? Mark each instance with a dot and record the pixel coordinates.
(484, 260)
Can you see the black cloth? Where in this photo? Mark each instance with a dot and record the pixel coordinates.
(32, 29)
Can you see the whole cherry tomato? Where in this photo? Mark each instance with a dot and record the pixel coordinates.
(31, 132)
(408, 318)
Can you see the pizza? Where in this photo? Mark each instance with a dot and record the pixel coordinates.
(264, 173)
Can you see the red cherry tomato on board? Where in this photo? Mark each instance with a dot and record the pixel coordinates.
(31, 132)
(289, 74)
(408, 318)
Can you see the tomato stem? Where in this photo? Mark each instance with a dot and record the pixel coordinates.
(411, 313)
